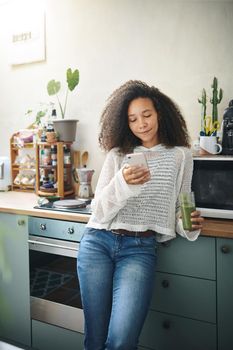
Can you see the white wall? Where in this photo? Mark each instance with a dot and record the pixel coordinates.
(178, 46)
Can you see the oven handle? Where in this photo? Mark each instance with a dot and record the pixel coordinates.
(53, 246)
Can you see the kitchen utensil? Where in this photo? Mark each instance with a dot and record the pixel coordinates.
(210, 127)
(84, 159)
(69, 203)
(83, 176)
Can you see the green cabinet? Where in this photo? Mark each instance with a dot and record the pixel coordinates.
(169, 332)
(15, 321)
(48, 337)
(183, 309)
(191, 307)
(184, 296)
(195, 259)
(225, 293)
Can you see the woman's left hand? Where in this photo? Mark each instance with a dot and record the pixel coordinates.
(197, 220)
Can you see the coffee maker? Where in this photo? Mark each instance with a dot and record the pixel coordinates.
(83, 176)
(227, 130)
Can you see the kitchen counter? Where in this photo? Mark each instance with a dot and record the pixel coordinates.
(23, 202)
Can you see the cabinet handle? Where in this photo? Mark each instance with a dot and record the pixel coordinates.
(165, 283)
(43, 227)
(70, 230)
(166, 324)
(21, 222)
(225, 249)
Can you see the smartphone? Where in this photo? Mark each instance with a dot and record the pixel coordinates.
(137, 159)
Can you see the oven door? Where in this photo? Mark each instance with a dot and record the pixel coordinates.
(54, 287)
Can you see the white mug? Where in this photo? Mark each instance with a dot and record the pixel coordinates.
(196, 146)
(208, 144)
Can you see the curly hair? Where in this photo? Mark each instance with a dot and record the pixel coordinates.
(114, 128)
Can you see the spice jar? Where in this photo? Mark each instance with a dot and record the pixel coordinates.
(67, 155)
(47, 157)
(54, 155)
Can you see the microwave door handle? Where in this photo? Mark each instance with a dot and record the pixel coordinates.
(1, 170)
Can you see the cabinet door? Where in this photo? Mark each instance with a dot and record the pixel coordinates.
(48, 337)
(225, 293)
(168, 332)
(14, 279)
(185, 296)
(180, 256)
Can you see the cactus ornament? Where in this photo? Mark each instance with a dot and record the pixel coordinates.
(210, 125)
(216, 99)
(203, 101)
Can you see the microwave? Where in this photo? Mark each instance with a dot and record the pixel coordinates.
(212, 183)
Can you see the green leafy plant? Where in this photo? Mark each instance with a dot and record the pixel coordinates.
(40, 112)
(39, 115)
(53, 87)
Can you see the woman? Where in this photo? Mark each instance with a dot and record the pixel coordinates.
(133, 209)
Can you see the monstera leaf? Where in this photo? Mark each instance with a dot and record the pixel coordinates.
(53, 87)
(72, 78)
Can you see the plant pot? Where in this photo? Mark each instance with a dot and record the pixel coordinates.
(209, 145)
(65, 129)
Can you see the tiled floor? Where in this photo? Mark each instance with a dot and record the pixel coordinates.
(5, 346)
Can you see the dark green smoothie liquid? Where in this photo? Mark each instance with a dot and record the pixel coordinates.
(186, 210)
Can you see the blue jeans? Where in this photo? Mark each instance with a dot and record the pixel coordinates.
(116, 275)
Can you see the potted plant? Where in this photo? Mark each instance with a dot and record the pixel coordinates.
(212, 120)
(210, 124)
(65, 128)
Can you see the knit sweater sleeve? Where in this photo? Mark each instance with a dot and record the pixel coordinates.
(112, 191)
(186, 187)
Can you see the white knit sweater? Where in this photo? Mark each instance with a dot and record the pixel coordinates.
(153, 205)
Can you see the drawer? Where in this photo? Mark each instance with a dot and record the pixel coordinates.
(48, 337)
(72, 231)
(183, 257)
(185, 296)
(166, 332)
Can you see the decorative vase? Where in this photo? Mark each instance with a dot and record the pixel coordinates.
(65, 129)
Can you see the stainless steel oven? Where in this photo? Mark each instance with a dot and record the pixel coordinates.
(54, 287)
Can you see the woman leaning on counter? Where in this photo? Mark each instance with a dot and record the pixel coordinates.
(134, 208)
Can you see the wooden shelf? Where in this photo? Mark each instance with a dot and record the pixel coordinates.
(23, 187)
(58, 169)
(16, 169)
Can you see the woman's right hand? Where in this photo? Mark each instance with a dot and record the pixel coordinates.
(136, 175)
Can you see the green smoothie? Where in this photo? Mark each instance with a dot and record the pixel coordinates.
(186, 210)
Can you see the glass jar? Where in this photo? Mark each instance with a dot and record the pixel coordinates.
(67, 155)
(54, 155)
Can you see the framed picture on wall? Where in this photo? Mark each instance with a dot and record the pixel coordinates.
(27, 37)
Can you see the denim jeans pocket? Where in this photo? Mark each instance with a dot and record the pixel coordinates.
(88, 231)
(147, 241)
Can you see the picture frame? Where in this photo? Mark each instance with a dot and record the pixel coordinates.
(27, 37)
